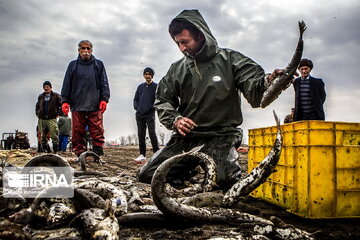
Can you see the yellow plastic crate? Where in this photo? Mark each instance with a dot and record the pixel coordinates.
(318, 175)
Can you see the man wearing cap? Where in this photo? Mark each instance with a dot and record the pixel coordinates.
(310, 94)
(48, 108)
(145, 113)
(86, 92)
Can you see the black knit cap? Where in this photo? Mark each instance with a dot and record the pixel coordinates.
(306, 62)
(149, 70)
(47, 83)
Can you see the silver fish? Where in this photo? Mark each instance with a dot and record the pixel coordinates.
(88, 199)
(283, 81)
(47, 160)
(11, 230)
(98, 223)
(26, 215)
(209, 166)
(170, 207)
(60, 212)
(61, 233)
(107, 191)
(84, 155)
(259, 174)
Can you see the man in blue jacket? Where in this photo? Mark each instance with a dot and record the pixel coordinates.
(310, 94)
(86, 91)
(145, 113)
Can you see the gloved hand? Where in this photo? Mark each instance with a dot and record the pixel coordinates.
(65, 108)
(103, 106)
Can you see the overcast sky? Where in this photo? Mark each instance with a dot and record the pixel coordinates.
(39, 38)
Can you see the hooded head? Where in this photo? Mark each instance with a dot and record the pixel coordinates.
(210, 47)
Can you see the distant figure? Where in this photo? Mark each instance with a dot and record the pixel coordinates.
(309, 94)
(290, 117)
(145, 113)
(64, 124)
(48, 108)
(86, 91)
(9, 142)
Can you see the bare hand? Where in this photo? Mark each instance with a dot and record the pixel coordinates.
(184, 125)
(275, 73)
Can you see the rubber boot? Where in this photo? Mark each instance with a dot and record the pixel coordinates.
(46, 148)
(98, 150)
(40, 148)
(55, 147)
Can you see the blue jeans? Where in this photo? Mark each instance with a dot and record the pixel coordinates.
(63, 142)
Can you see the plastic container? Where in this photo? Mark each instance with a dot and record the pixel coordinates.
(318, 175)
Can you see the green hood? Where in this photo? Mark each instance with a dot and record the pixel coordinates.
(206, 88)
(210, 48)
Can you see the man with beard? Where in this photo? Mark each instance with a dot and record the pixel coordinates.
(48, 109)
(86, 92)
(199, 99)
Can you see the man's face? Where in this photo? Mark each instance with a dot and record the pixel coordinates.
(148, 77)
(47, 89)
(304, 71)
(85, 51)
(187, 43)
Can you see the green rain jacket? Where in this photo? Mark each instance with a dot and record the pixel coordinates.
(206, 88)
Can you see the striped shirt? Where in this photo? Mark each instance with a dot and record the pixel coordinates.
(305, 100)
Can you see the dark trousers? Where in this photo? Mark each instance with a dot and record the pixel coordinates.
(144, 122)
(221, 149)
(94, 120)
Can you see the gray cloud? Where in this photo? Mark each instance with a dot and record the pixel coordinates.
(39, 39)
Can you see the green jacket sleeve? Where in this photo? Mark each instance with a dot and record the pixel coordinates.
(166, 100)
(249, 77)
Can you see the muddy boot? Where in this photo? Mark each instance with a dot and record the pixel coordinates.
(55, 147)
(98, 150)
(46, 148)
(40, 148)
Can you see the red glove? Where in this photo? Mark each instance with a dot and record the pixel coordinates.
(103, 106)
(65, 108)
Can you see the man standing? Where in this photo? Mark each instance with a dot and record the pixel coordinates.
(199, 99)
(64, 124)
(145, 113)
(48, 108)
(310, 94)
(86, 91)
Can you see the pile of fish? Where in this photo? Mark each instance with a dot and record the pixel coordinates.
(101, 204)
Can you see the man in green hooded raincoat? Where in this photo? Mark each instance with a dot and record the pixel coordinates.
(199, 98)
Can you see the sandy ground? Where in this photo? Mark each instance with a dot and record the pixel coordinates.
(121, 159)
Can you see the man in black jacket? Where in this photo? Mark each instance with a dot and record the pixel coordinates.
(86, 91)
(48, 108)
(310, 94)
(145, 113)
